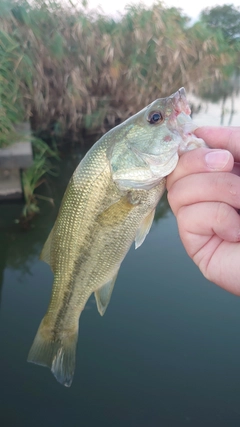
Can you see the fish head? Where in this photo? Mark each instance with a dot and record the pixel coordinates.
(146, 147)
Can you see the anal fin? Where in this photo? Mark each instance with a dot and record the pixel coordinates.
(144, 229)
(103, 295)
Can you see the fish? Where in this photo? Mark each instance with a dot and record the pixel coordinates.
(109, 203)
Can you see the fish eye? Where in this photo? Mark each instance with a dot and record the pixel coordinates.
(155, 117)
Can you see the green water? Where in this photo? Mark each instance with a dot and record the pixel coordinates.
(165, 354)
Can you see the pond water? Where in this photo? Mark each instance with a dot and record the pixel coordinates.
(166, 353)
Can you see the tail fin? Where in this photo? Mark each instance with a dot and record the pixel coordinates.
(56, 353)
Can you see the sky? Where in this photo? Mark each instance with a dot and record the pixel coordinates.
(192, 8)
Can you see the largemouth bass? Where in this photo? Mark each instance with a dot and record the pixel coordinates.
(110, 201)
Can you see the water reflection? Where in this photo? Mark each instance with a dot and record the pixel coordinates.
(3, 261)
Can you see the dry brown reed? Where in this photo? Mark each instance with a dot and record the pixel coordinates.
(87, 71)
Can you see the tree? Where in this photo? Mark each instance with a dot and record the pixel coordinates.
(225, 21)
(226, 18)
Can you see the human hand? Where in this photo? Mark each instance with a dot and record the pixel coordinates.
(204, 194)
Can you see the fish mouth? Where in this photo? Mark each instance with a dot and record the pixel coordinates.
(179, 121)
(179, 102)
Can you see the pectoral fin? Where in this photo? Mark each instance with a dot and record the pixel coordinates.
(103, 295)
(144, 229)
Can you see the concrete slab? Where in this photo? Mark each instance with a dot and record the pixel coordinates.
(18, 155)
(10, 184)
(12, 159)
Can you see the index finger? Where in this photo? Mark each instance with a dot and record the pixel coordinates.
(201, 160)
(221, 137)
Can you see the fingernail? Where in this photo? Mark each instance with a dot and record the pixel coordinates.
(217, 160)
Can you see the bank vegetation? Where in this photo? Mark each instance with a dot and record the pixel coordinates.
(72, 72)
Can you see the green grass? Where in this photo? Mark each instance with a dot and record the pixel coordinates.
(34, 176)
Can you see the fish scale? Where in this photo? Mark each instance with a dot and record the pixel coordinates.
(109, 202)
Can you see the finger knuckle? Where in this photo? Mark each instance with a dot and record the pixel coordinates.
(228, 183)
(223, 212)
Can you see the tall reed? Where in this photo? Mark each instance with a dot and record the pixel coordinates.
(72, 70)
